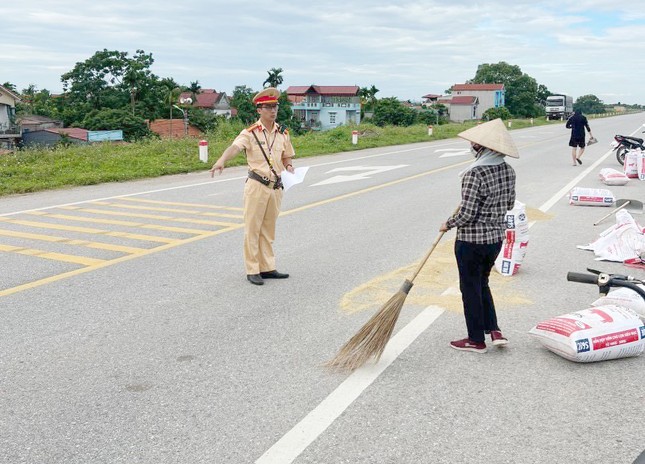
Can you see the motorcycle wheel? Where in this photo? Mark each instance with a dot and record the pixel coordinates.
(620, 155)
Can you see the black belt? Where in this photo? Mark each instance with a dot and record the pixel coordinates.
(266, 181)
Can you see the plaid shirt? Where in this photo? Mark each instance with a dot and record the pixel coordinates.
(487, 193)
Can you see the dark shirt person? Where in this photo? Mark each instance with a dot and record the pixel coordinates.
(577, 123)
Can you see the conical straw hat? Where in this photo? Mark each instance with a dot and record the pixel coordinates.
(493, 135)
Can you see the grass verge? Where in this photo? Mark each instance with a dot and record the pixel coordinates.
(34, 170)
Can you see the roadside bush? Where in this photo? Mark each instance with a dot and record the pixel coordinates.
(494, 113)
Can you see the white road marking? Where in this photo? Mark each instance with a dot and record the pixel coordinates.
(364, 173)
(453, 152)
(316, 422)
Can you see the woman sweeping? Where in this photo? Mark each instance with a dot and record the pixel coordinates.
(487, 193)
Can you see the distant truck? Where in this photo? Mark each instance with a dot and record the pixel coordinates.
(559, 107)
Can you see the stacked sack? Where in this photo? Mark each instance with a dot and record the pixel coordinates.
(516, 240)
(634, 166)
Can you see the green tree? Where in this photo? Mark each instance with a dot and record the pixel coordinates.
(274, 79)
(203, 120)
(242, 101)
(521, 90)
(390, 111)
(171, 91)
(427, 117)
(112, 79)
(589, 104)
(542, 94)
(9, 86)
(368, 97)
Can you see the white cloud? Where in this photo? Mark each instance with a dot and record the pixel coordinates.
(406, 49)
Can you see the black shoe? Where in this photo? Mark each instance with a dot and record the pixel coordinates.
(579, 160)
(273, 275)
(255, 279)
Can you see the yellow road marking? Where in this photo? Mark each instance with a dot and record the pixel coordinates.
(153, 216)
(169, 210)
(54, 256)
(76, 272)
(146, 208)
(175, 203)
(68, 241)
(117, 222)
(88, 230)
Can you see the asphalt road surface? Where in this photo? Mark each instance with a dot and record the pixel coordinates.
(130, 335)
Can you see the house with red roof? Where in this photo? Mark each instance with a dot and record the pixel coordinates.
(209, 100)
(487, 95)
(469, 101)
(323, 107)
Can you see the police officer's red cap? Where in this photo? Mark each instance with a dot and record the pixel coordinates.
(267, 96)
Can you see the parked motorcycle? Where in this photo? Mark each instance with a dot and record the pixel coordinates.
(623, 143)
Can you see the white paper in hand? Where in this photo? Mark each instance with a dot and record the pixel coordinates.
(289, 180)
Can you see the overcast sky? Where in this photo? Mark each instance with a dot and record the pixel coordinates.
(405, 48)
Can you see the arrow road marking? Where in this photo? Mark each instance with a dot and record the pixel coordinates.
(449, 152)
(364, 172)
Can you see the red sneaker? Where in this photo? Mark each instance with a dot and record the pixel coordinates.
(467, 344)
(498, 338)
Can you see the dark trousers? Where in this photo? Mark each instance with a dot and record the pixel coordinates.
(475, 262)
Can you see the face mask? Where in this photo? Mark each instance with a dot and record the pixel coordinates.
(474, 149)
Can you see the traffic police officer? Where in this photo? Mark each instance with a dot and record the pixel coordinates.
(268, 152)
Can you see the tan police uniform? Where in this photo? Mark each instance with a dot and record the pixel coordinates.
(262, 202)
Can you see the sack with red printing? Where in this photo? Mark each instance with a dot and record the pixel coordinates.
(516, 239)
(599, 333)
(517, 223)
(625, 297)
(511, 256)
(581, 196)
(640, 164)
(630, 165)
(610, 176)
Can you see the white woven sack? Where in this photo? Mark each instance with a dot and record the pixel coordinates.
(610, 176)
(640, 165)
(630, 165)
(625, 297)
(517, 223)
(582, 196)
(595, 334)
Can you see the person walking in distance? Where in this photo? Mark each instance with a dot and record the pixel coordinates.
(487, 193)
(577, 123)
(268, 153)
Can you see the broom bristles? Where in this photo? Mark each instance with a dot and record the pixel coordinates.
(370, 341)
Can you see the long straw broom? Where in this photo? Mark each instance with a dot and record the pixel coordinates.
(369, 342)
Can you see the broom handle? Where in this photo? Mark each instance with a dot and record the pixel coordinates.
(434, 245)
(425, 258)
(610, 213)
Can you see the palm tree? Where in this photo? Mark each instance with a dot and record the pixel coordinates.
(372, 95)
(274, 79)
